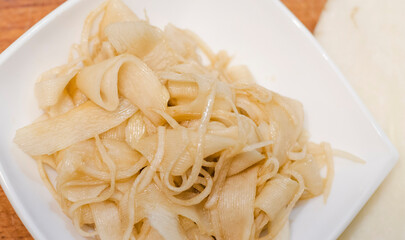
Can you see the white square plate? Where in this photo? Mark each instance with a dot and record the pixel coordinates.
(263, 34)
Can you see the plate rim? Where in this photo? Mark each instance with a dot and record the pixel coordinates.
(393, 152)
(37, 233)
(5, 183)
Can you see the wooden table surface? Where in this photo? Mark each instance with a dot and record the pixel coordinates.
(17, 16)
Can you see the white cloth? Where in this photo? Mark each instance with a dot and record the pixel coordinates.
(366, 39)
